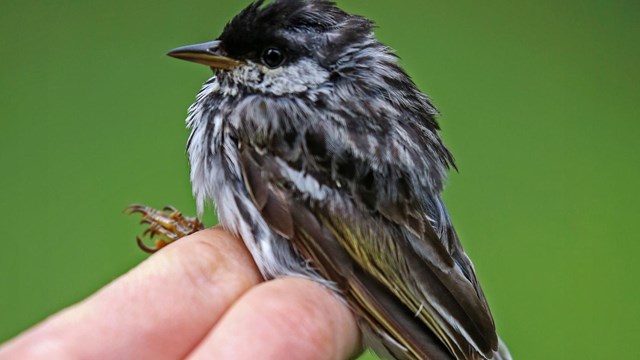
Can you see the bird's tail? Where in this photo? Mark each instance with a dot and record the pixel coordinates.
(502, 353)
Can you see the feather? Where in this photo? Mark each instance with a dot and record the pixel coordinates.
(331, 167)
(385, 277)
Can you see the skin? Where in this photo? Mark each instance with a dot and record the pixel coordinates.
(201, 297)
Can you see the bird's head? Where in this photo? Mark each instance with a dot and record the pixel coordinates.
(289, 46)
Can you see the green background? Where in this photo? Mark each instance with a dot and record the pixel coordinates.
(540, 103)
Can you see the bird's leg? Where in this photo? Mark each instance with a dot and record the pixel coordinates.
(169, 224)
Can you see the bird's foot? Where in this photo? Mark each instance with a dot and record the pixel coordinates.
(168, 224)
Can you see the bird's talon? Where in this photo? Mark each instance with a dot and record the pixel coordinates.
(169, 223)
(170, 208)
(160, 244)
(144, 247)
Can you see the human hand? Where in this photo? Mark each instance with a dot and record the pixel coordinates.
(201, 297)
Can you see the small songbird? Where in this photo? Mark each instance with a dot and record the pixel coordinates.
(321, 153)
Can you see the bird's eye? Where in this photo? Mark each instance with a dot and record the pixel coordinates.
(272, 57)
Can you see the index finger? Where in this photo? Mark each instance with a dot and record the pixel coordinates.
(159, 310)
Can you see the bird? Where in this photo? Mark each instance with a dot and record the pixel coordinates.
(322, 154)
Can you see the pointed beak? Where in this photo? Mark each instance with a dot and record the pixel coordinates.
(208, 54)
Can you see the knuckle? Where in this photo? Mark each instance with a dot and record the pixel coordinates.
(214, 262)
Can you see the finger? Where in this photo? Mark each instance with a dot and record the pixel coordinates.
(290, 318)
(159, 310)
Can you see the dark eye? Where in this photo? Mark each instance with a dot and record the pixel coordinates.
(272, 57)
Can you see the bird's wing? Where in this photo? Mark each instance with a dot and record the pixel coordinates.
(408, 284)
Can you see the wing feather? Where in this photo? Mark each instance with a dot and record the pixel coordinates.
(419, 295)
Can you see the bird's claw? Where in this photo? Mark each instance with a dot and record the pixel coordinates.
(169, 224)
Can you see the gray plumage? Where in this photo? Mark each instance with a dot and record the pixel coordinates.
(330, 166)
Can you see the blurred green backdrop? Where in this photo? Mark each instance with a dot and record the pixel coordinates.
(540, 103)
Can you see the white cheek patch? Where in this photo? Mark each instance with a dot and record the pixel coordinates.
(298, 77)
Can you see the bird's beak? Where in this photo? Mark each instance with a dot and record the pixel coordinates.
(206, 54)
